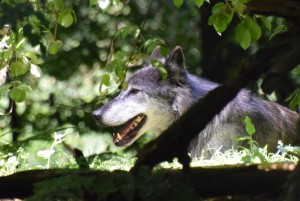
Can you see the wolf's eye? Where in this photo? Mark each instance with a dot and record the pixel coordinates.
(133, 91)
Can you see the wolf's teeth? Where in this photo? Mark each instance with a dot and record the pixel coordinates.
(119, 137)
(140, 118)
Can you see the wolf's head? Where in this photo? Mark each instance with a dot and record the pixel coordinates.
(149, 103)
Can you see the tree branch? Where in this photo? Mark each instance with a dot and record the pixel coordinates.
(204, 182)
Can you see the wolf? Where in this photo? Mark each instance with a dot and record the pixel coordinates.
(151, 103)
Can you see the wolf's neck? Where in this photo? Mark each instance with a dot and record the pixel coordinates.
(191, 92)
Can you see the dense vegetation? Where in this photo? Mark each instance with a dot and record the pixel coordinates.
(62, 59)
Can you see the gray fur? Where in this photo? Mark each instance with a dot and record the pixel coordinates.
(163, 101)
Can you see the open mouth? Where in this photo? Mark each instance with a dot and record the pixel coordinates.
(129, 130)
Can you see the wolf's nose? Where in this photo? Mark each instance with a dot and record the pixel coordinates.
(97, 116)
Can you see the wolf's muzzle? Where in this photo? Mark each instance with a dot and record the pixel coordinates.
(98, 118)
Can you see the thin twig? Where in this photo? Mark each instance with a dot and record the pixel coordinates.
(140, 34)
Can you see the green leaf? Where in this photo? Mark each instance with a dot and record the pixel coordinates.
(18, 68)
(36, 61)
(59, 4)
(163, 51)
(120, 73)
(128, 30)
(220, 23)
(66, 20)
(105, 79)
(296, 70)
(242, 35)
(212, 19)
(199, 3)
(149, 45)
(253, 28)
(18, 94)
(246, 41)
(30, 55)
(229, 15)
(218, 8)
(5, 54)
(239, 8)
(244, 138)
(249, 126)
(93, 2)
(162, 71)
(294, 99)
(54, 47)
(221, 17)
(5, 87)
(279, 29)
(33, 58)
(266, 22)
(178, 3)
(119, 66)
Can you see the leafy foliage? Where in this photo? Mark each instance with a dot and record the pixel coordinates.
(254, 152)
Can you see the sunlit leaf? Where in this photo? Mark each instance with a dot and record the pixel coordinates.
(128, 30)
(59, 4)
(93, 2)
(5, 87)
(253, 28)
(296, 70)
(279, 29)
(151, 44)
(66, 20)
(266, 22)
(221, 17)
(18, 68)
(199, 3)
(294, 99)
(18, 94)
(242, 35)
(36, 61)
(178, 3)
(54, 47)
(31, 55)
(249, 126)
(212, 19)
(246, 40)
(105, 79)
(220, 23)
(229, 15)
(162, 71)
(121, 73)
(239, 7)
(217, 9)
(163, 51)
(5, 54)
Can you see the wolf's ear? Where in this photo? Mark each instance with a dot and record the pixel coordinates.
(156, 54)
(176, 57)
(175, 65)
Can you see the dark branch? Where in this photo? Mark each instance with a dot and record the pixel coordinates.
(205, 182)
